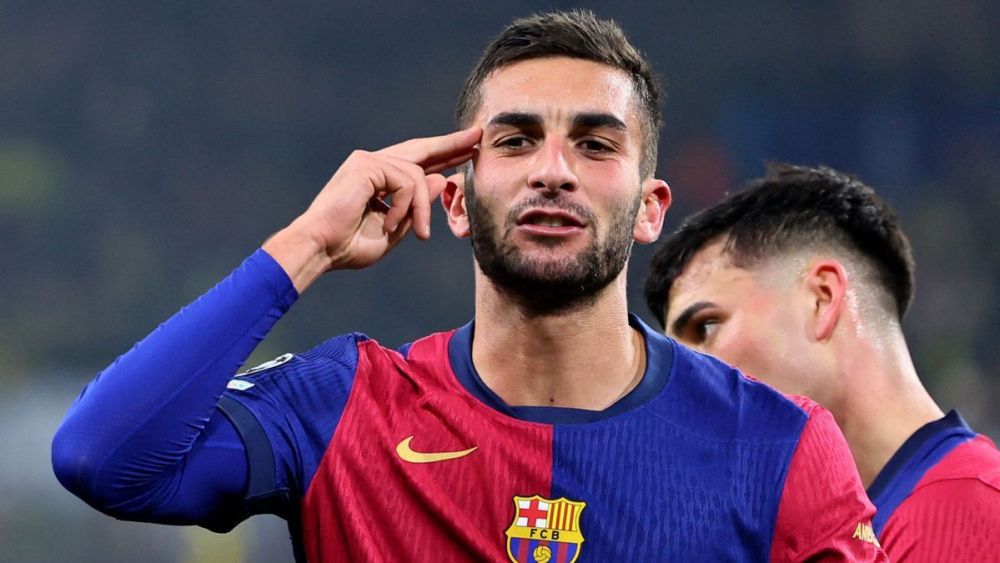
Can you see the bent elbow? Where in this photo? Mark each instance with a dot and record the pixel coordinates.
(102, 479)
(76, 466)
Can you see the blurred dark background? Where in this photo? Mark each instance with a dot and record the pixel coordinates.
(146, 148)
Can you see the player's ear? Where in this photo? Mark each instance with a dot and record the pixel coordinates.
(453, 201)
(828, 285)
(653, 208)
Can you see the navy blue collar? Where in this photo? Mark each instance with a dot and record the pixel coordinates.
(659, 360)
(912, 461)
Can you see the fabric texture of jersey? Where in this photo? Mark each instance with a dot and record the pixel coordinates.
(374, 454)
(691, 465)
(938, 498)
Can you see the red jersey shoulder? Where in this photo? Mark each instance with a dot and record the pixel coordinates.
(823, 492)
(954, 512)
(978, 459)
(423, 364)
(432, 349)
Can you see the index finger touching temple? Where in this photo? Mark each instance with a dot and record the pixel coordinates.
(432, 152)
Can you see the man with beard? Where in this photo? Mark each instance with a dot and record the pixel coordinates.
(553, 427)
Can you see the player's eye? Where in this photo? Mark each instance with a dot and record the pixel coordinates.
(706, 328)
(513, 143)
(595, 146)
(701, 330)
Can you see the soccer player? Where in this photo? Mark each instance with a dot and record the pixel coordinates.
(802, 280)
(553, 427)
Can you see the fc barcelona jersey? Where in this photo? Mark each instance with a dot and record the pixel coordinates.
(406, 455)
(375, 454)
(938, 497)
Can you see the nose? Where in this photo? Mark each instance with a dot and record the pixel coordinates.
(552, 169)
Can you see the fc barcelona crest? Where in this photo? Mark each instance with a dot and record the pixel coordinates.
(545, 531)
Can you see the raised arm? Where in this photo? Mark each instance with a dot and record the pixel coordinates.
(350, 225)
(133, 443)
(145, 440)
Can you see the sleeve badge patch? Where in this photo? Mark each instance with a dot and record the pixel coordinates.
(239, 385)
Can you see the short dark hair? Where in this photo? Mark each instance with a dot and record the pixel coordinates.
(791, 207)
(578, 34)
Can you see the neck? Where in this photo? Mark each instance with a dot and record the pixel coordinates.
(884, 402)
(586, 357)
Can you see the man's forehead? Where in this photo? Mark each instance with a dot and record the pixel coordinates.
(712, 274)
(709, 266)
(558, 89)
(707, 263)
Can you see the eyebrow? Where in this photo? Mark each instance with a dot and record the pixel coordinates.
(598, 120)
(587, 120)
(515, 119)
(684, 318)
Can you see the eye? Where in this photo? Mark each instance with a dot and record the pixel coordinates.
(595, 146)
(706, 328)
(513, 143)
(700, 330)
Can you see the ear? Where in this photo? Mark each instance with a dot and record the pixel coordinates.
(655, 202)
(453, 201)
(828, 285)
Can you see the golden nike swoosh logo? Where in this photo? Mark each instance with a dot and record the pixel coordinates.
(405, 453)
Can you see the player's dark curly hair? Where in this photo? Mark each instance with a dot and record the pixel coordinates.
(792, 207)
(578, 34)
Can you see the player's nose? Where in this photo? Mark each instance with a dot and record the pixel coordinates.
(552, 170)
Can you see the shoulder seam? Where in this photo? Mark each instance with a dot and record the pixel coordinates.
(974, 479)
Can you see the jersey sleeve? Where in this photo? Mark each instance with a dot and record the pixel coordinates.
(824, 514)
(145, 440)
(286, 416)
(930, 526)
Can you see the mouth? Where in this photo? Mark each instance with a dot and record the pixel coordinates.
(549, 218)
(550, 224)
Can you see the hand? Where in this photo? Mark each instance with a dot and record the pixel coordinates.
(350, 225)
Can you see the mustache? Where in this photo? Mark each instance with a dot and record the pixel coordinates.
(559, 203)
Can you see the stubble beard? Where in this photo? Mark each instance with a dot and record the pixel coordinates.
(543, 287)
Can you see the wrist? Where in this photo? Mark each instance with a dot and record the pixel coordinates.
(302, 257)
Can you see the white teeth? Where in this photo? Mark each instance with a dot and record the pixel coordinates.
(549, 221)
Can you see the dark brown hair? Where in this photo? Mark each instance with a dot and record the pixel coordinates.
(577, 34)
(792, 207)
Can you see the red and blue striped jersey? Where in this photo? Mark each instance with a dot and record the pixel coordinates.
(374, 454)
(697, 463)
(938, 498)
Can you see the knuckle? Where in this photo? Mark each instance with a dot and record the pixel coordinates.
(408, 184)
(358, 154)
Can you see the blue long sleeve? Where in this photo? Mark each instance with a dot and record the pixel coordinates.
(144, 440)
